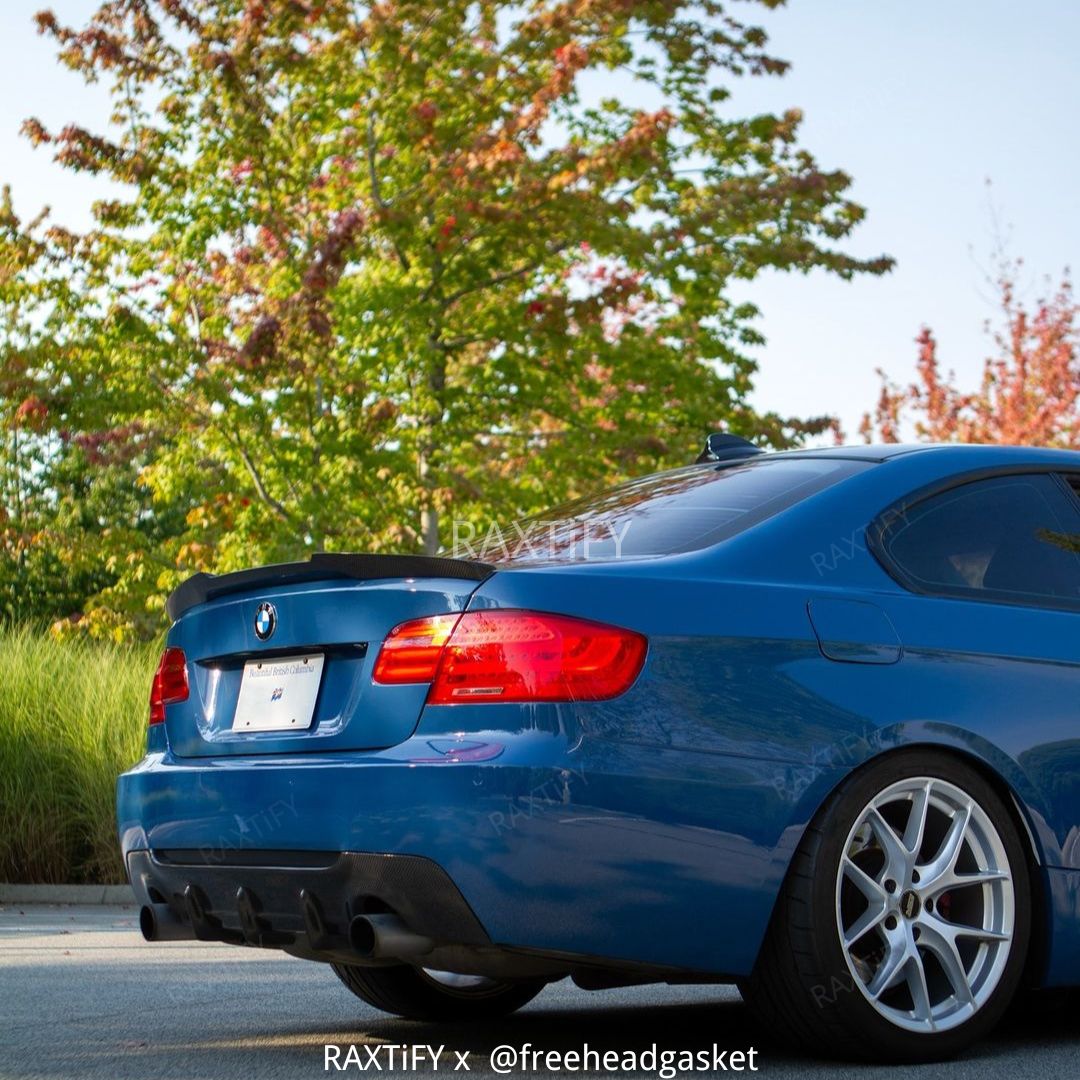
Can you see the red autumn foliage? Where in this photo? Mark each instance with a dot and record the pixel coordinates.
(261, 343)
(1030, 390)
(31, 413)
(427, 111)
(116, 446)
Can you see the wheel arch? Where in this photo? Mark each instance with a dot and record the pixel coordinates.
(796, 972)
(1024, 806)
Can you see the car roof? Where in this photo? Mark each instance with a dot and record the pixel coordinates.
(963, 454)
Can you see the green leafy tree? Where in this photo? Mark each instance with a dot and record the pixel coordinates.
(78, 531)
(377, 265)
(38, 576)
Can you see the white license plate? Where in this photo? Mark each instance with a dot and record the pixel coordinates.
(278, 694)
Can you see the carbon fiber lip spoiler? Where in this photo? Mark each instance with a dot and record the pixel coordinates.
(200, 588)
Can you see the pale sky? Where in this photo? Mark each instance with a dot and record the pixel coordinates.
(921, 101)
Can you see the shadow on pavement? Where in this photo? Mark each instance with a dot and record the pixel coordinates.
(212, 1020)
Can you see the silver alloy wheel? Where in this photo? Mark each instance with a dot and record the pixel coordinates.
(925, 905)
(449, 980)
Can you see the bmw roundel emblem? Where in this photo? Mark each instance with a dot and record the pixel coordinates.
(265, 621)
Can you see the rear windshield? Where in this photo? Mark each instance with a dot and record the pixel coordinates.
(666, 513)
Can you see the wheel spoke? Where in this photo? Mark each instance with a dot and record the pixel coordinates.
(870, 918)
(920, 992)
(937, 937)
(896, 857)
(916, 825)
(944, 862)
(863, 881)
(891, 970)
(980, 934)
(962, 930)
(950, 881)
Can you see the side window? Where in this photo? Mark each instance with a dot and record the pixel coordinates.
(1013, 539)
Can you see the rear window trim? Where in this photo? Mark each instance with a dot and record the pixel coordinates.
(878, 529)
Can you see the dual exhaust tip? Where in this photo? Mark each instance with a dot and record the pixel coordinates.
(371, 937)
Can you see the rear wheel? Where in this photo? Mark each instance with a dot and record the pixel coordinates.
(420, 994)
(903, 925)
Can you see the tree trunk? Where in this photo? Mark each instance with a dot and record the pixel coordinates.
(429, 528)
(436, 379)
(429, 515)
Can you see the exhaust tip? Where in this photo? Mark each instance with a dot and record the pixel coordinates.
(148, 923)
(158, 923)
(362, 936)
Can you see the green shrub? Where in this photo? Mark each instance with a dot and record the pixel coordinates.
(72, 717)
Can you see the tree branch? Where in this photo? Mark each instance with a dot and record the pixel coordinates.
(376, 192)
(499, 279)
(260, 488)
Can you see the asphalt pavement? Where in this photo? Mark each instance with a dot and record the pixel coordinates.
(81, 995)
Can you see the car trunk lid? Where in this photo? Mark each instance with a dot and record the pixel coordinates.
(329, 617)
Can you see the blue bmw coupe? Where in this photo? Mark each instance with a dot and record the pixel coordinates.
(808, 722)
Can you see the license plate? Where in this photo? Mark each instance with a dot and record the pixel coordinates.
(278, 694)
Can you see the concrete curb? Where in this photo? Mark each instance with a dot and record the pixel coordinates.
(66, 894)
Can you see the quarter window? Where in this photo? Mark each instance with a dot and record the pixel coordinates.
(1011, 539)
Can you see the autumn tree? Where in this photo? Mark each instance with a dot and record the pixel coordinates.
(370, 265)
(74, 518)
(1030, 390)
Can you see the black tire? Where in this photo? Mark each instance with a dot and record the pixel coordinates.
(802, 989)
(408, 992)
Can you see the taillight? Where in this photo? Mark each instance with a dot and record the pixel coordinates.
(411, 651)
(170, 683)
(515, 656)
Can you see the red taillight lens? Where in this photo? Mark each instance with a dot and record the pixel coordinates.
(517, 656)
(170, 684)
(411, 651)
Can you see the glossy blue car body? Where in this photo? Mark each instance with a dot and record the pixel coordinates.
(654, 829)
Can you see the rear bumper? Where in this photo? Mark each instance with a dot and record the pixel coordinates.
(417, 798)
(606, 852)
(309, 905)
(411, 829)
